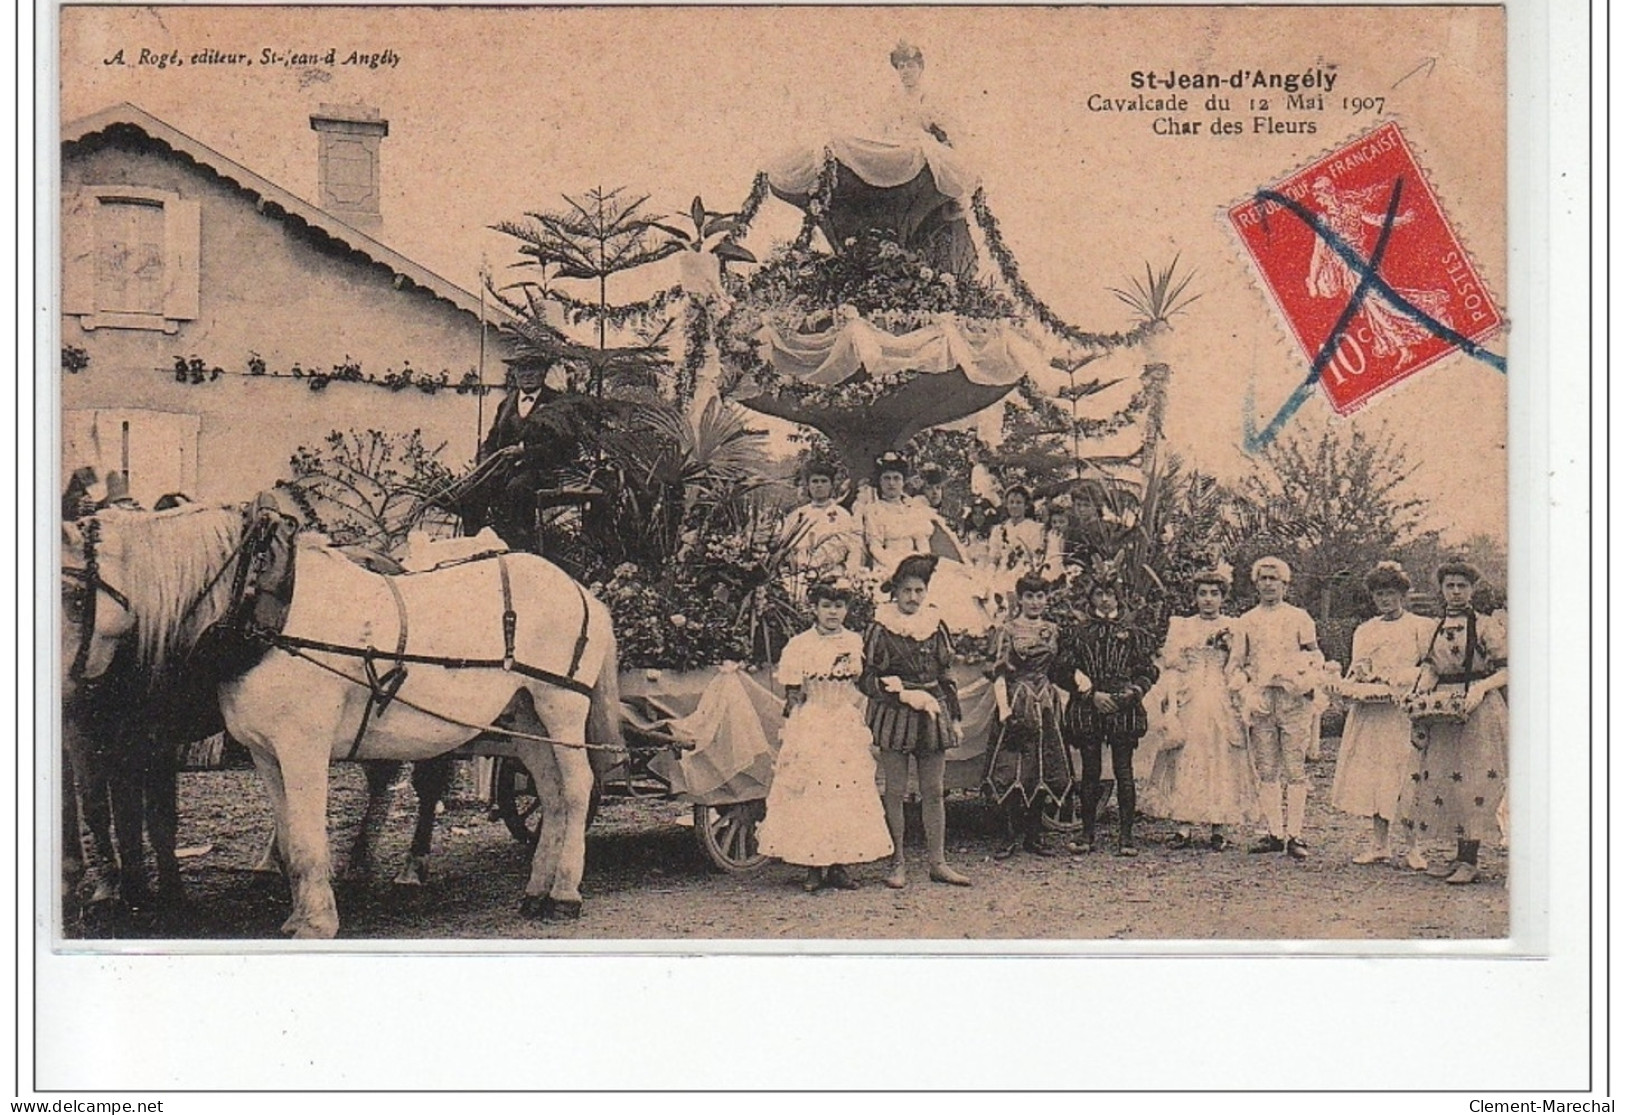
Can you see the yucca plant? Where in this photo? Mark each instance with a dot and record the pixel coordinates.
(1161, 295)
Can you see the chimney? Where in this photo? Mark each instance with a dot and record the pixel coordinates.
(348, 162)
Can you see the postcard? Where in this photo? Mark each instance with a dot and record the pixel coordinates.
(537, 476)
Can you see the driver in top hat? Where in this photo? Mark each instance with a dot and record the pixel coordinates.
(532, 440)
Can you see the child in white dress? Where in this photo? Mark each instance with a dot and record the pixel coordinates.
(823, 808)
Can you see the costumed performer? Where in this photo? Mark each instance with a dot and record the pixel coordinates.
(1107, 664)
(823, 811)
(1375, 757)
(1028, 765)
(895, 527)
(1203, 775)
(1274, 667)
(913, 709)
(1460, 776)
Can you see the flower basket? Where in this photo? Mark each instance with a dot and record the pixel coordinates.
(1436, 706)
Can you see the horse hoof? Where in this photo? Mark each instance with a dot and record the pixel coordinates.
(414, 873)
(564, 909)
(536, 907)
(102, 890)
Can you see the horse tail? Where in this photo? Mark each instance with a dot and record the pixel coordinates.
(604, 714)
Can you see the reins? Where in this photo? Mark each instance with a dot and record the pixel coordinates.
(383, 688)
(511, 733)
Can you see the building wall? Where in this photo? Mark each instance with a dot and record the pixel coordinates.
(268, 286)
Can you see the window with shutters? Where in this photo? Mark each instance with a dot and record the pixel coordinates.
(130, 258)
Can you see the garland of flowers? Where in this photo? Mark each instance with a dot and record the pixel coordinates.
(577, 311)
(1122, 420)
(852, 394)
(301, 499)
(889, 285)
(698, 337)
(818, 203)
(702, 310)
(1008, 267)
(1053, 412)
(748, 210)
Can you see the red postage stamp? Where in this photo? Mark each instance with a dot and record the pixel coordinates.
(1371, 279)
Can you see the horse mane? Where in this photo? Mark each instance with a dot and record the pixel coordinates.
(169, 559)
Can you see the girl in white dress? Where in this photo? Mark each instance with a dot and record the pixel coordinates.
(895, 527)
(1204, 772)
(1015, 547)
(1375, 757)
(823, 808)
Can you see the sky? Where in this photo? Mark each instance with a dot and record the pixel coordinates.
(496, 111)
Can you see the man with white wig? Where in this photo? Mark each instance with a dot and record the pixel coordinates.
(1276, 661)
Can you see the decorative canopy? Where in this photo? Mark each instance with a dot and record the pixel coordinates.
(988, 353)
(915, 188)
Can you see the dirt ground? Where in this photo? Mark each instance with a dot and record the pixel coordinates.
(647, 878)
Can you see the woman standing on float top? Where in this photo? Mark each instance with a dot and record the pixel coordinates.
(1204, 773)
(913, 709)
(1460, 776)
(1375, 757)
(822, 809)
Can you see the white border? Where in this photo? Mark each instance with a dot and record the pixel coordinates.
(1275, 1021)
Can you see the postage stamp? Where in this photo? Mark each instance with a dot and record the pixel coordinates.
(1371, 278)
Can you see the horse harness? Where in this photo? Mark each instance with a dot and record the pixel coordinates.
(262, 592)
(90, 574)
(384, 685)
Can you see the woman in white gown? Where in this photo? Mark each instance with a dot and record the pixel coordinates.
(895, 527)
(1204, 772)
(1375, 757)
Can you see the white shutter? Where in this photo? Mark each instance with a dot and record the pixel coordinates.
(182, 221)
(79, 253)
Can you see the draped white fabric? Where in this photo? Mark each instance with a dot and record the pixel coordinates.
(879, 162)
(990, 353)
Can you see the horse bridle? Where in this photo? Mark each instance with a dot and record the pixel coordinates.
(95, 586)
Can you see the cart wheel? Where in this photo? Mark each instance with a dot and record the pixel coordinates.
(727, 835)
(518, 805)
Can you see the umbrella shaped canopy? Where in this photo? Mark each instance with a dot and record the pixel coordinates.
(942, 372)
(912, 190)
(862, 433)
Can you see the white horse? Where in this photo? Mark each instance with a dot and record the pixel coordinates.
(373, 667)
